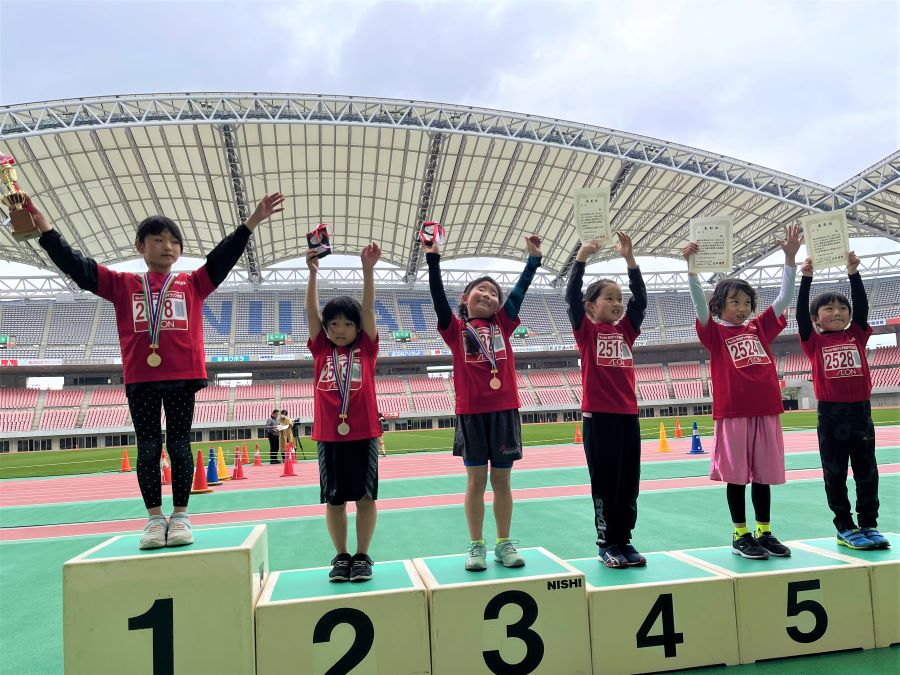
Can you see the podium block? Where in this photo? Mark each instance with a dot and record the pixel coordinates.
(531, 619)
(668, 615)
(186, 610)
(805, 604)
(305, 624)
(884, 579)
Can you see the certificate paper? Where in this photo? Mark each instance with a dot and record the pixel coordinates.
(713, 237)
(592, 214)
(827, 240)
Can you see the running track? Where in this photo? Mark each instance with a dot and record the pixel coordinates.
(98, 487)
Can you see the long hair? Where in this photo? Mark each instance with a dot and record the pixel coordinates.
(463, 311)
(728, 288)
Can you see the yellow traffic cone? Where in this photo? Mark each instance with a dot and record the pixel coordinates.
(221, 468)
(663, 441)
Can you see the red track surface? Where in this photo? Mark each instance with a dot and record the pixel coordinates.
(114, 486)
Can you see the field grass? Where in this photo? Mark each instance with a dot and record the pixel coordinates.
(70, 462)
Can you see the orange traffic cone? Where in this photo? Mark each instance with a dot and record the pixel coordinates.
(257, 460)
(577, 434)
(288, 465)
(238, 467)
(126, 464)
(167, 474)
(663, 441)
(200, 484)
(245, 458)
(678, 433)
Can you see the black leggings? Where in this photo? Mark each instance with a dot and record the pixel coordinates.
(760, 495)
(145, 408)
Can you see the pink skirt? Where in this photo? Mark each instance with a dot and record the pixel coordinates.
(748, 450)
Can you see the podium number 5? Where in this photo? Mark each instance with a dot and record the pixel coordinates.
(521, 629)
(362, 642)
(796, 607)
(159, 620)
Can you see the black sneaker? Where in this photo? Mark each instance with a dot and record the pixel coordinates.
(612, 557)
(768, 541)
(746, 546)
(361, 567)
(634, 558)
(340, 568)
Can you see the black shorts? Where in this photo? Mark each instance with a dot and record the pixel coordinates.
(494, 436)
(348, 471)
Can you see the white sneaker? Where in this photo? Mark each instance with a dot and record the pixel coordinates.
(475, 557)
(179, 530)
(154, 533)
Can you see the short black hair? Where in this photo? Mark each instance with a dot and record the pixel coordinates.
(284, 412)
(275, 412)
(728, 288)
(344, 306)
(827, 298)
(158, 225)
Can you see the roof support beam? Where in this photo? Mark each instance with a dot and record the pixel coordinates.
(424, 210)
(240, 199)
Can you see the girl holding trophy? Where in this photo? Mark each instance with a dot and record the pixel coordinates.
(160, 325)
(487, 396)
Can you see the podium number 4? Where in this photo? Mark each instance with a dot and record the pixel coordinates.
(159, 620)
(668, 639)
(796, 607)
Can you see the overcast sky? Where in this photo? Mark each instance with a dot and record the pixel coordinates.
(805, 87)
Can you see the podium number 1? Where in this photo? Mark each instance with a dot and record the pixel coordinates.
(159, 620)
(521, 629)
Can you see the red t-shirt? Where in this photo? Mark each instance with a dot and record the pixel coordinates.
(472, 372)
(363, 412)
(607, 366)
(181, 333)
(839, 366)
(744, 377)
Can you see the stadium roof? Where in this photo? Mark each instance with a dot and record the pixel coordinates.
(375, 168)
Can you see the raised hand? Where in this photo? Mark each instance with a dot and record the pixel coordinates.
(791, 244)
(852, 263)
(40, 220)
(806, 269)
(533, 245)
(588, 249)
(370, 255)
(267, 207)
(624, 247)
(689, 250)
(312, 260)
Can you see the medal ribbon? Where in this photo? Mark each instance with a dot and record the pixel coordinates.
(488, 351)
(154, 310)
(343, 383)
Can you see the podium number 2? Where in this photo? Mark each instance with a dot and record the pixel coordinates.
(362, 642)
(796, 607)
(521, 629)
(668, 639)
(159, 620)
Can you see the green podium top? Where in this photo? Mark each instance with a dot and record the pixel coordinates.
(204, 540)
(799, 559)
(450, 569)
(660, 569)
(881, 555)
(313, 583)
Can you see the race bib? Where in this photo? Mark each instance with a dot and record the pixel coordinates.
(746, 350)
(842, 361)
(326, 379)
(174, 312)
(613, 351)
(484, 334)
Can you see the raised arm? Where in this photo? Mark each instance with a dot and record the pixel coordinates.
(857, 293)
(436, 285)
(637, 304)
(790, 245)
(81, 269)
(313, 318)
(698, 297)
(514, 301)
(804, 322)
(369, 255)
(222, 259)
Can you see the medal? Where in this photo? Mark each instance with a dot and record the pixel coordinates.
(344, 382)
(489, 354)
(154, 314)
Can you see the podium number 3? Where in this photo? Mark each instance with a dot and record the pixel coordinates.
(362, 642)
(796, 607)
(159, 620)
(521, 629)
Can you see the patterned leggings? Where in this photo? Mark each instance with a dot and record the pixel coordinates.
(145, 413)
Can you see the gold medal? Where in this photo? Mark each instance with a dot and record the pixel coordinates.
(495, 383)
(154, 359)
(343, 428)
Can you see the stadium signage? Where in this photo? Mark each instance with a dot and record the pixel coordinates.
(230, 359)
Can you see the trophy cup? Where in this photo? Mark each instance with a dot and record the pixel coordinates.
(319, 240)
(14, 200)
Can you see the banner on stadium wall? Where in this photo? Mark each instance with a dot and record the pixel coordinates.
(440, 352)
(390, 415)
(230, 359)
(9, 363)
(40, 362)
(407, 352)
(893, 321)
(277, 357)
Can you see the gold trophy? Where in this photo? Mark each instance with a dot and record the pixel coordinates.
(14, 200)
